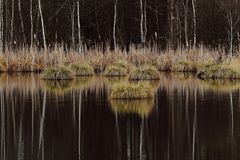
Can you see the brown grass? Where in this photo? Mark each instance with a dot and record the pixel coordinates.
(26, 60)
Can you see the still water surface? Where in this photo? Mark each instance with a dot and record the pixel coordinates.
(189, 119)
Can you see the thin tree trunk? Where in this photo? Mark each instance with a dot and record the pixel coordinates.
(31, 20)
(145, 22)
(73, 23)
(43, 27)
(141, 22)
(12, 24)
(170, 19)
(186, 23)
(79, 28)
(194, 23)
(114, 25)
(21, 20)
(1, 26)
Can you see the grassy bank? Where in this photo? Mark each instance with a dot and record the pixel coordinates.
(120, 63)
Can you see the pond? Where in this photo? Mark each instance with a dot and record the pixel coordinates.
(188, 119)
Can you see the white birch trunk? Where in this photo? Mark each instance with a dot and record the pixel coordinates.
(21, 20)
(12, 24)
(42, 23)
(1, 26)
(186, 23)
(31, 19)
(114, 25)
(194, 23)
(79, 28)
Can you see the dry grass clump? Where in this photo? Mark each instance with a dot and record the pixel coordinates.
(57, 73)
(184, 66)
(131, 91)
(219, 71)
(117, 69)
(82, 69)
(144, 73)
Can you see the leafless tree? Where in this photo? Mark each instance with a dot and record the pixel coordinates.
(232, 14)
(114, 24)
(42, 23)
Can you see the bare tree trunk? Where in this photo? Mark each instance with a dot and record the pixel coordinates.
(186, 23)
(170, 19)
(114, 25)
(194, 23)
(73, 23)
(31, 19)
(7, 23)
(141, 22)
(21, 19)
(145, 22)
(79, 28)
(12, 24)
(1, 26)
(43, 27)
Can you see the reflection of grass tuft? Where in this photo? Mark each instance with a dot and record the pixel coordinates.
(82, 70)
(59, 73)
(144, 73)
(131, 91)
(58, 87)
(140, 107)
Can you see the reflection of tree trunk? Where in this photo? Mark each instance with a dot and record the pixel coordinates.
(194, 125)
(20, 140)
(3, 141)
(79, 125)
(142, 154)
(13, 119)
(232, 118)
(42, 120)
(118, 134)
(128, 141)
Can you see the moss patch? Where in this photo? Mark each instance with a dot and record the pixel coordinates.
(144, 73)
(59, 73)
(131, 91)
(82, 70)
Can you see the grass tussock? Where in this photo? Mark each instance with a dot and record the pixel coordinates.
(82, 70)
(131, 91)
(229, 69)
(184, 66)
(140, 107)
(57, 73)
(117, 69)
(144, 73)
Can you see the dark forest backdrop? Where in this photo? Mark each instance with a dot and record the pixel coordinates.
(164, 23)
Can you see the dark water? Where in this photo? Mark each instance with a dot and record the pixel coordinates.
(188, 119)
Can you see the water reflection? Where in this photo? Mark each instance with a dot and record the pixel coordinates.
(188, 119)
